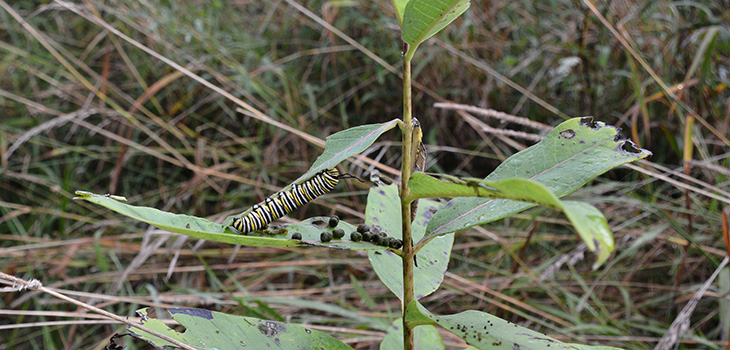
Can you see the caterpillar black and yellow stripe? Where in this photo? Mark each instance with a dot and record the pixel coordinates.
(282, 203)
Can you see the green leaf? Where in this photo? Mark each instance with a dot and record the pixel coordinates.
(575, 152)
(426, 337)
(341, 145)
(424, 18)
(204, 229)
(486, 331)
(206, 329)
(588, 221)
(383, 209)
(399, 6)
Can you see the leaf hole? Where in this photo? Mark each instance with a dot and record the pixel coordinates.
(589, 122)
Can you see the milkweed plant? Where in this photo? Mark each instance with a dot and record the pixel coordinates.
(407, 234)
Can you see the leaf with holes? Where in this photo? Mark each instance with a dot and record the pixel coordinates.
(201, 228)
(206, 329)
(575, 152)
(587, 220)
(489, 332)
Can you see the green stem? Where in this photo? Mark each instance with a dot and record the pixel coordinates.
(406, 171)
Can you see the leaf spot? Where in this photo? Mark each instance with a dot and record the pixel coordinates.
(568, 133)
(271, 329)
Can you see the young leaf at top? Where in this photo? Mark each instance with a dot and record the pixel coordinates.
(399, 6)
(341, 145)
(575, 152)
(424, 18)
(489, 332)
(588, 221)
(206, 329)
(384, 210)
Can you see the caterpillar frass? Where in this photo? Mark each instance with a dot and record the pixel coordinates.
(282, 203)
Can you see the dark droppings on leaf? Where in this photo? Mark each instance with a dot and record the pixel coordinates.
(568, 133)
(338, 233)
(334, 221)
(356, 236)
(325, 236)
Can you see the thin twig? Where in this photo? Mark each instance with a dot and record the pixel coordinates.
(19, 284)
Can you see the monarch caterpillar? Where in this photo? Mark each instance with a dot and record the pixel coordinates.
(282, 203)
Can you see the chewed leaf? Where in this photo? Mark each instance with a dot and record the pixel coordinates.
(206, 329)
(489, 332)
(341, 145)
(201, 228)
(575, 152)
(588, 221)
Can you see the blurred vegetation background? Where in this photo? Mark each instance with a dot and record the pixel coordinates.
(85, 108)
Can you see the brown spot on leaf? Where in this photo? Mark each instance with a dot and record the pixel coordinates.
(568, 133)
